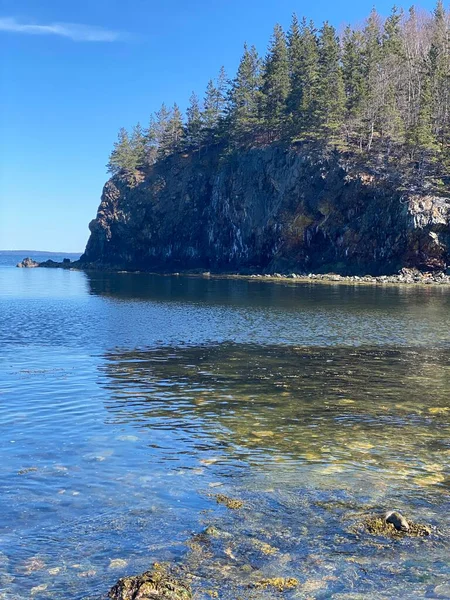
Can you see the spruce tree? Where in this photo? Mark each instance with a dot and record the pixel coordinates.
(122, 158)
(243, 117)
(275, 86)
(175, 130)
(353, 75)
(304, 78)
(423, 137)
(161, 133)
(439, 60)
(138, 146)
(151, 142)
(194, 124)
(211, 112)
(331, 99)
(392, 70)
(371, 102)
(296, 75)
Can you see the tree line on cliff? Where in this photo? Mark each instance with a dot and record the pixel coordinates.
(383, 87)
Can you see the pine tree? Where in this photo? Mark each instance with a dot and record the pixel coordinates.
(392, 70)
(243, 117)
(194, 125)
(353, 75)
(138, 146)
(304, 77)
(211, 113)
(151, 142)
(122, 158)
(296, 75)
(421, 136)
(175, 131)
(371, 102)
(214, 107)
(161, 131)
(275, 86)
(331, 98)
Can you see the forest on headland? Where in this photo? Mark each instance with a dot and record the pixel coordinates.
(380, 89)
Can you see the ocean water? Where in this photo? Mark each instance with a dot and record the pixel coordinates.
(129, 401)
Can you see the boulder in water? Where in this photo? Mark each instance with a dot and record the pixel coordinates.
(157, 584)
(397, 520)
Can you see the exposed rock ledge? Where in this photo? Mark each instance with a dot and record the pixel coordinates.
(405, 276)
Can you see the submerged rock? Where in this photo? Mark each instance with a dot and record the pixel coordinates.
(27, 263)
(232, 503)
(279, 583)
(156, 584)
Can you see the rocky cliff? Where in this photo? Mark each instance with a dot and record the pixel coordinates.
(269, 209)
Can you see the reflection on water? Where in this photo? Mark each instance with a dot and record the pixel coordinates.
(129, 402)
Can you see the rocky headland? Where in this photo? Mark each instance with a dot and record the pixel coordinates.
(297, 212)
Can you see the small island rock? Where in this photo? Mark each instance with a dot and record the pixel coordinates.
(27, 263)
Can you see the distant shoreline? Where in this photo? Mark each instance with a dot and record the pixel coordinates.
(49, 252)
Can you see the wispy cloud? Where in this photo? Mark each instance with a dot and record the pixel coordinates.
(74, 31)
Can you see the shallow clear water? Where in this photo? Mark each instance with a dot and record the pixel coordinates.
(129, 401)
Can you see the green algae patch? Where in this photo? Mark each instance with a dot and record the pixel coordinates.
(279, 583)
(232, 503)
(379, 526)
(156, 584)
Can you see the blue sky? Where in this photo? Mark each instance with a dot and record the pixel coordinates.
(73, 72)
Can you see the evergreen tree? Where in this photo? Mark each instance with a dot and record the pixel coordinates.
(151, 142)
(275, 85)
(122, 158)
(243, 117)
(371, 102)
(304, 77)
(421, 135)
(161, 131)
(392, 71)
(214, 107)
(439, 60)
(222, 92)
(331, 99)
(211, 113)
(296, 74)
(138, 146)
(194, 125)
(175, 131)
(353, 75)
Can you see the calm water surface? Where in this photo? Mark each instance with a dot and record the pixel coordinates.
(129, 401)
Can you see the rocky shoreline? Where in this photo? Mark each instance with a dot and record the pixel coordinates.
(404, 276)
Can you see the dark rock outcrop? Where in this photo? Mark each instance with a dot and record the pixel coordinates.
(269, 209)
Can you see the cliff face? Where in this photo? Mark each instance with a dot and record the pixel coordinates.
(272, 209)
